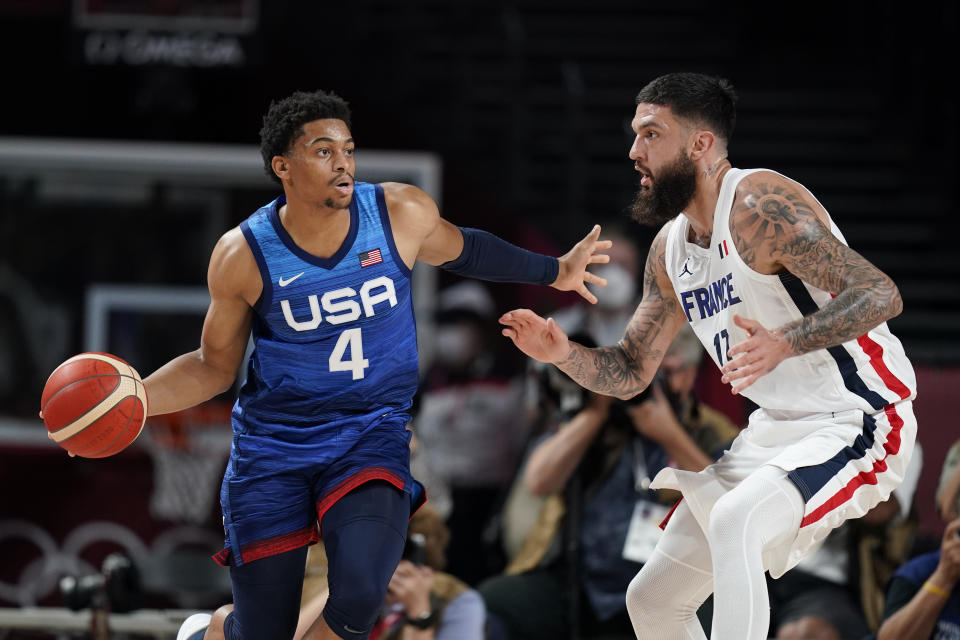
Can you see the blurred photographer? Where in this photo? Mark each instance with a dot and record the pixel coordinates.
(468, 421)
(601, 522)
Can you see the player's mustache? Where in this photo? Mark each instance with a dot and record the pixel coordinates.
(341, 176)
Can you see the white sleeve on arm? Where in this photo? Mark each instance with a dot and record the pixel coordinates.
(464, 618)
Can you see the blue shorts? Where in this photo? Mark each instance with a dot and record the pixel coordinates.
(272, 502)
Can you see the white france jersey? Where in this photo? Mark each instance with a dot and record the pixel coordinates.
(713, 284)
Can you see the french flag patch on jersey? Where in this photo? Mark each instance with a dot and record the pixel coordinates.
(369, 258)
(724, 252)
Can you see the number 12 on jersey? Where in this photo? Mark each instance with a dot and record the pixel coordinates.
(356, 364)
(722, 353)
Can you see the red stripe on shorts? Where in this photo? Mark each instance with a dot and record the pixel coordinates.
(875, 352)
(892, 446)
(269, 546)
(278, 544)
(666, 518)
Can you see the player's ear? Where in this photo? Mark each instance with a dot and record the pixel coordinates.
(280, 166)
(702, 141)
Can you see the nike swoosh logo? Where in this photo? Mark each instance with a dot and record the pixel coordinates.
(284, 283)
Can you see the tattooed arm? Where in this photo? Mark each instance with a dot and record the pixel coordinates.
(777, 225)
(626, 368)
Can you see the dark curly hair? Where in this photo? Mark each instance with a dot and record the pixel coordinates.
(695, 97)
(284, 120)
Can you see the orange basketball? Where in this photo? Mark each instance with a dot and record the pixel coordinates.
(94, 405)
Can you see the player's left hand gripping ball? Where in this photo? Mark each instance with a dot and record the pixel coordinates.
(94, 405)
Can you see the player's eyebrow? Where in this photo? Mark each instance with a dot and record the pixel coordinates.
(650, 124)
(326, 139)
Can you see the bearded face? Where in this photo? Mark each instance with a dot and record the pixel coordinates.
(663, 196)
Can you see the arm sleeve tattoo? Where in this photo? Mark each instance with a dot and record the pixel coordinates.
(772, 221)
(626, 368)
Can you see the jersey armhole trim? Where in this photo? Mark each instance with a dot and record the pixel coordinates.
(267, 291)
(388, 231)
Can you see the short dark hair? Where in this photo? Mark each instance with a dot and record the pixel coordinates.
(696, 97)
(284, 120)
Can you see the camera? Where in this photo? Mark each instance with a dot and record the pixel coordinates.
(117, 587)
(569, 398)
(674, 399)
(566, 397)
(415, 549)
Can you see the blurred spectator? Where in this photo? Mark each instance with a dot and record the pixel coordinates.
(601, 522)
(470, 424)
(605, 321)
(948, 490)
(423, 602)
(547, 404)
(923, 599)
(438, 491)
(837, 593)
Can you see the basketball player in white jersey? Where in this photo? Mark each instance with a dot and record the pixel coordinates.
(795, 319)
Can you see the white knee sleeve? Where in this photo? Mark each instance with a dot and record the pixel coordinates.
(663, 598)
(761, 512)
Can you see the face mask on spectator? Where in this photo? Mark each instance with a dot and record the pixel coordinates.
(620, 290)
(455, 343)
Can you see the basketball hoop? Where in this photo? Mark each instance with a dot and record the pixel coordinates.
(189, 449)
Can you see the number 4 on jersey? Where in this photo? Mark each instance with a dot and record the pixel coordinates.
(356, 364)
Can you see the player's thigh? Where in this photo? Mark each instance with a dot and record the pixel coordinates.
(765, 507)
(375, 508)
(679, 573)
(363, 533)
(683, 540)
(266, 597)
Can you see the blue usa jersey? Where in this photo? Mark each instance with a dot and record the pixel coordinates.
(335, 352)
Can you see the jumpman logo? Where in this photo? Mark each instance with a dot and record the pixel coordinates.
(686, 269)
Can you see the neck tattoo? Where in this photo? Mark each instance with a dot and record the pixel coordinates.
(709, 171)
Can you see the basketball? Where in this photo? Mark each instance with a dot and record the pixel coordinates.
(94, 405)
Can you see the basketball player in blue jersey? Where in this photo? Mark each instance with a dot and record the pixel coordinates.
(321, 277)
(795, 319)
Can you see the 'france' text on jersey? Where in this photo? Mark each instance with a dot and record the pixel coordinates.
(710, 299)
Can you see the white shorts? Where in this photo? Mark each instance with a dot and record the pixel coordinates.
(843, 464)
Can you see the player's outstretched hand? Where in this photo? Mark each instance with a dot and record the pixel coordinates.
(756, 356)
(573, 274)
(540, 339)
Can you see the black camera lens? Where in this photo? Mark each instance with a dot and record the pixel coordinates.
(415, 549)
(117, 586)
(78, 593)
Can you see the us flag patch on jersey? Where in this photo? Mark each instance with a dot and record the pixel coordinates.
(368, 258)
